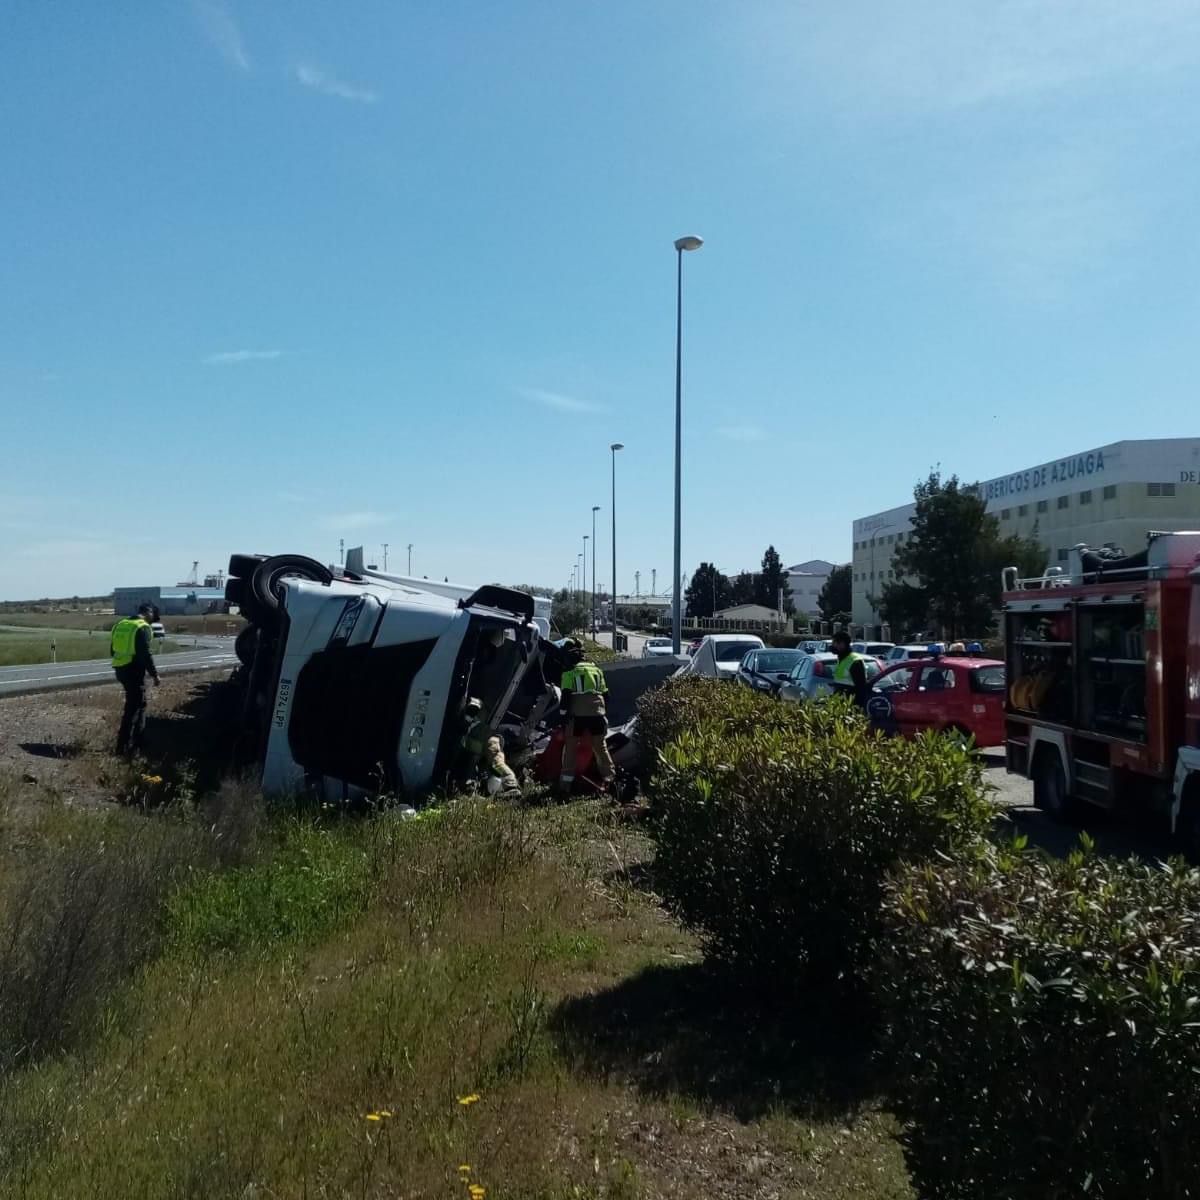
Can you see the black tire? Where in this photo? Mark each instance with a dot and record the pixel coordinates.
(1050, 787)
(266, 588)
(242, 566)
(245, 645)
(235, 591)
(1187, 826)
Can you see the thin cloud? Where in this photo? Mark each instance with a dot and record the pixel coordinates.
(742, 433)
(328, 85)
(558, 401)
(349, 522)
(224, 358)
(222, 31)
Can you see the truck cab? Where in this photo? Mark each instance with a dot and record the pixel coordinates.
(356, 684)
(1103, 670)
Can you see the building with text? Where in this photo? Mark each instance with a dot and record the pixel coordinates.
(1115, 493)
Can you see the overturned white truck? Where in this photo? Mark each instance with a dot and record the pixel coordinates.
(355, 682)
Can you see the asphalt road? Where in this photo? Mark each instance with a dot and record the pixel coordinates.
(210, 652)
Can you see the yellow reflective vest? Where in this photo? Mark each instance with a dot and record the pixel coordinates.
(124, 640)
(583, 678)
(841, 673)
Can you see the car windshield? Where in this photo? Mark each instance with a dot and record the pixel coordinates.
(777, 660)
(660, 641)
(988, 679)
(878, 647)
(732, 651)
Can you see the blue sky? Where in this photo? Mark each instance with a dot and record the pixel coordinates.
(275, 274)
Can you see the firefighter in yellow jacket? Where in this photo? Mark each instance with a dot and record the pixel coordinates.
(583, 688)
(132, 661)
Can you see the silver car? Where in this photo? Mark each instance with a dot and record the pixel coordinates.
(657, 647)
(812, 676)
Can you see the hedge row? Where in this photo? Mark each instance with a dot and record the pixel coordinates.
(1040, 1018)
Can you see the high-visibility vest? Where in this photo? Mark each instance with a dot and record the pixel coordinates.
(841, 673)
(124, 640)
(584, 677)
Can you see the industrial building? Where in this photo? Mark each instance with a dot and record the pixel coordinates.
(1115, 493)
(179, 601)
(806, 580)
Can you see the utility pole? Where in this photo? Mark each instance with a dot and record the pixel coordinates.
(637, 584)
(654, 581)
(410, 558)
(385, 546)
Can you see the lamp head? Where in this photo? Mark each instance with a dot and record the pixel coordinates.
(690, 242)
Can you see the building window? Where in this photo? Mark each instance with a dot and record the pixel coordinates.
(1023, 510)
(1043, 505)
(1085, 497)
(1064, 502)
(1005, 513)
(1160, 489)
(1062, 555)
(1110, 491)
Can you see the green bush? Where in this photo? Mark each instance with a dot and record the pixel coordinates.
(683, 702)
(1044, 1023)
(777, 825)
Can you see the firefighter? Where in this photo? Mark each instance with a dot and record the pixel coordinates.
(850, 673)
(583, 688)
(132, 661)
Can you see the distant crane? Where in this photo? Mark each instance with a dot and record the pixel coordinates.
(637, 583)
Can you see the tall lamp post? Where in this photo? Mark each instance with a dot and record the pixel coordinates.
(613, 602)
(595, 510)
(681, 244)
(585, 542)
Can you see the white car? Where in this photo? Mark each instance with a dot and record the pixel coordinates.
(657, 647)
(904, 653)
(815, 646)
(720, 654)
(158, 629)
(874, 649)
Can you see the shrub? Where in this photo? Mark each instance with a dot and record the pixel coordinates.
(777, 824)
(1043, 1025)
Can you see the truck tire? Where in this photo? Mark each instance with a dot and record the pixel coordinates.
(235, 590)
(242, 566)
(265, 588)
(1050, 787)
(245, 645)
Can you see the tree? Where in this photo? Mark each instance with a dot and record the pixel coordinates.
(834, 597)
(708, 592)
(569, 611)
(770, 579)
(954, 554)
(743, 588)
(905, 607)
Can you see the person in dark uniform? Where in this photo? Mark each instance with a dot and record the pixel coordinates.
(132, 661)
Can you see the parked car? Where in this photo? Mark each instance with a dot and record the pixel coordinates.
(720, 654)
(899, 654)
(959, 696)
(812, 676)
(815, 646)
(158, 629)
(657, 647)
(765, 670)
(878, 650)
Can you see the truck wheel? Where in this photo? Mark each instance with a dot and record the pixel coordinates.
(1050, 788)
(245, 645)
(266, 582)
(242, 566)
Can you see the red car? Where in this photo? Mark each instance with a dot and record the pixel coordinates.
(950, 695)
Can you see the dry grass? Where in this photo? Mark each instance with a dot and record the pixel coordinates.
(431, 961)
(103, 622)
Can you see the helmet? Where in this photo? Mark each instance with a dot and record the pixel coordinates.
(473, 707)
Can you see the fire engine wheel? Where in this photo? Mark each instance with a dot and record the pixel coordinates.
(1050, 787)
(242, 566)
(266, 582)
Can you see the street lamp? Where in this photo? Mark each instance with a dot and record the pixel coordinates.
(410, 546)
(595, 510)
(612, 605)
(585, 542)
(690, 242)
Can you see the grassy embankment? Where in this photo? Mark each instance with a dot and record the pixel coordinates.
(19, 647)
(228, 1002)
(221, 623)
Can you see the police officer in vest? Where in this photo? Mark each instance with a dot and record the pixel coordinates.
(132, 661)
(850, 673)
(583, 688)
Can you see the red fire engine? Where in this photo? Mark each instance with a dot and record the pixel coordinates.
(1103, 666)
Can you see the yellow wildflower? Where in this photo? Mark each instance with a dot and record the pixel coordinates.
(468, 1100)
(476, 1191)
(152, 779)
(385, 1112)
(374, 1117)
(464, 1168)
